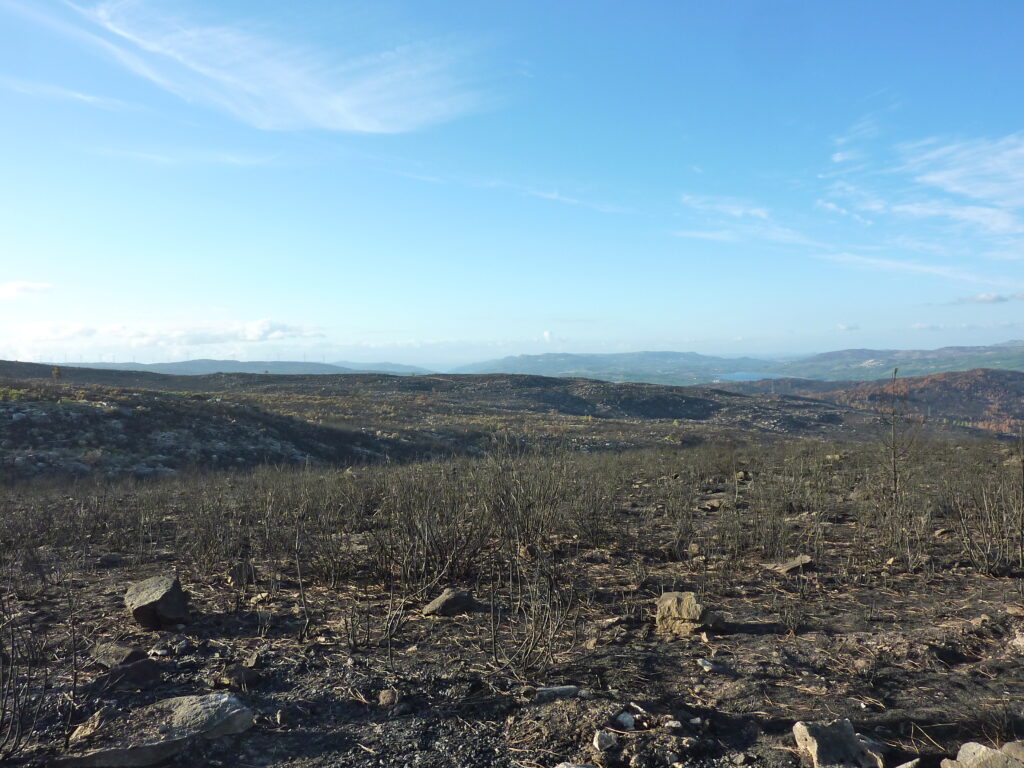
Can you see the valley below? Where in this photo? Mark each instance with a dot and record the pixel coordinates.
(510, 570)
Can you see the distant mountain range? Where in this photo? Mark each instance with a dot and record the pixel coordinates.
(673, 368)
(677, 368)
(278, 367)
(867, 364)
(687, 368)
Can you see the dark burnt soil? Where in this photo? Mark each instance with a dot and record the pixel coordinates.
(920, 656)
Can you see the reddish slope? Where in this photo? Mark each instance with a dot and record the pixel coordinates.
(984, 397)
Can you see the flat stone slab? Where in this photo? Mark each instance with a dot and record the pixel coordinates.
(153, 734)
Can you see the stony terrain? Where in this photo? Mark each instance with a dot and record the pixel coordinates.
(63, 431)
(983, 398)
(104, 423)
(662, 577)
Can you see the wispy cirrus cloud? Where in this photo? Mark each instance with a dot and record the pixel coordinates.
(256, 331)
(987, 170)
(993, 220)
(991, 298)
(189, 157)
(730, 206)
(734, 219)
(16, 288)
(271, 83)
(828, 205)
(558, 197)
(554, 194)
(717, 235)
(49, 92)
(912, 267)
(865, 128)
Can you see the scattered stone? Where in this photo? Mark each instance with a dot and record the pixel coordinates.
(164, 729)
(90, 726)
(238, 678)
(553, 692)
(253, 661)
(109, 560)
(679, 613)
(1016, 643)
(625, 721)
(158, 602)
(388, 698)
(743, 476)
(797, 563)
(836, 744)
(172, 645)
(139, 675)
(911, 764)
(452, 602)
(114, 654)
(975, 755)
(575, 765)
(605, 740)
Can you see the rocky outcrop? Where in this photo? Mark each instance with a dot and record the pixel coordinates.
(158, 602)
(452, 602)
(160, 731)
(836, 744)
(679, 613)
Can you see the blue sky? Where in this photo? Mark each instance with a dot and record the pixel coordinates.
(441, 182)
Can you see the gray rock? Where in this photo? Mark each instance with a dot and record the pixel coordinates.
(1014, 749)
(553, 692)
(109, 560)
(114, 654)
(452, 602)
(626, 721)
(238, 677)
(974, 755)
(605, 740)
(798, 563)
(836, 744)
(158, 602)
(139, 675)
(164, 729)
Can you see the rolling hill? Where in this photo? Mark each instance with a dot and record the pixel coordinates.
(983, 398)
(674, 368)
(203, 367)
(870, 364)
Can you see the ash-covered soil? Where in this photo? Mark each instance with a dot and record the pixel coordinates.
(908, 636)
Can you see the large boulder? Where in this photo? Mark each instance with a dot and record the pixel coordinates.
(679, 613)
(452, 602)
(974, 755)
(156, 733)
(158, 602)
(836, 744)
